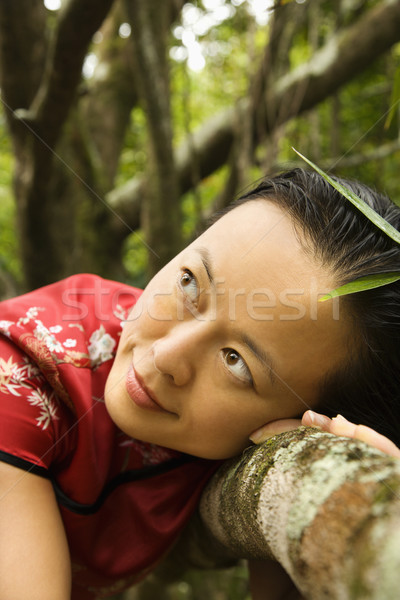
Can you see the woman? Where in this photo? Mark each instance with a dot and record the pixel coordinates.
(116, 406)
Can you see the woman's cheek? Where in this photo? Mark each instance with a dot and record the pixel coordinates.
(137, 310)
(160, 307)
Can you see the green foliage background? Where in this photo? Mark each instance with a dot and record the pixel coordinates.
(237, 45)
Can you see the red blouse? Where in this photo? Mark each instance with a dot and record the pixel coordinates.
(123, 502)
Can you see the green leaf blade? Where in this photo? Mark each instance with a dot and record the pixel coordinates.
(362, 284)
(362, 206)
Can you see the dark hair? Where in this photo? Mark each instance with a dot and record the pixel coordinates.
(366, 388)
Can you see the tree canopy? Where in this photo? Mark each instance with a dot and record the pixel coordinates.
(127, 122)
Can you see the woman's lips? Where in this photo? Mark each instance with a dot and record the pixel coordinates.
(139, 393)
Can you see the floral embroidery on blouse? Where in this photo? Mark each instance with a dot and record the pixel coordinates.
(121, 313)
(69, 343)
(48, 346)
(30, 314)
(42, 333)
(14, 378)
(101, 346)
(47, 407)
(14, 375)
(4, 327)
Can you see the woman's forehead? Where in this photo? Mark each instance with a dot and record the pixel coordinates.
(256, 244)
(260, 216)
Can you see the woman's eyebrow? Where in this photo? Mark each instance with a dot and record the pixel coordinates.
(206, 260)
(263, 357)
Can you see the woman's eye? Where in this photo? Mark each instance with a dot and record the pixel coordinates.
(235, 363)
(189, 286)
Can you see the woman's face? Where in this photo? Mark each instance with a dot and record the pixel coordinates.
(228, 336)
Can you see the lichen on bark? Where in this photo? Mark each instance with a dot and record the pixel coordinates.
(326, 508)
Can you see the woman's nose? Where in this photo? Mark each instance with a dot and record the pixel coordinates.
(179, 354)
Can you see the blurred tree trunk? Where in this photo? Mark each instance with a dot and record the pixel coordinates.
(110, 97)
(54, 195)
(161, 212)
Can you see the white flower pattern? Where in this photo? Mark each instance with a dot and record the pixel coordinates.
(69, 343)
(31, 314)
(42, 333)
(55, 328)
(101, 346)
(121, 313)
(4, 327)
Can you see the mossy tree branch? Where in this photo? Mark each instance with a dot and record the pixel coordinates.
(326, 508)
